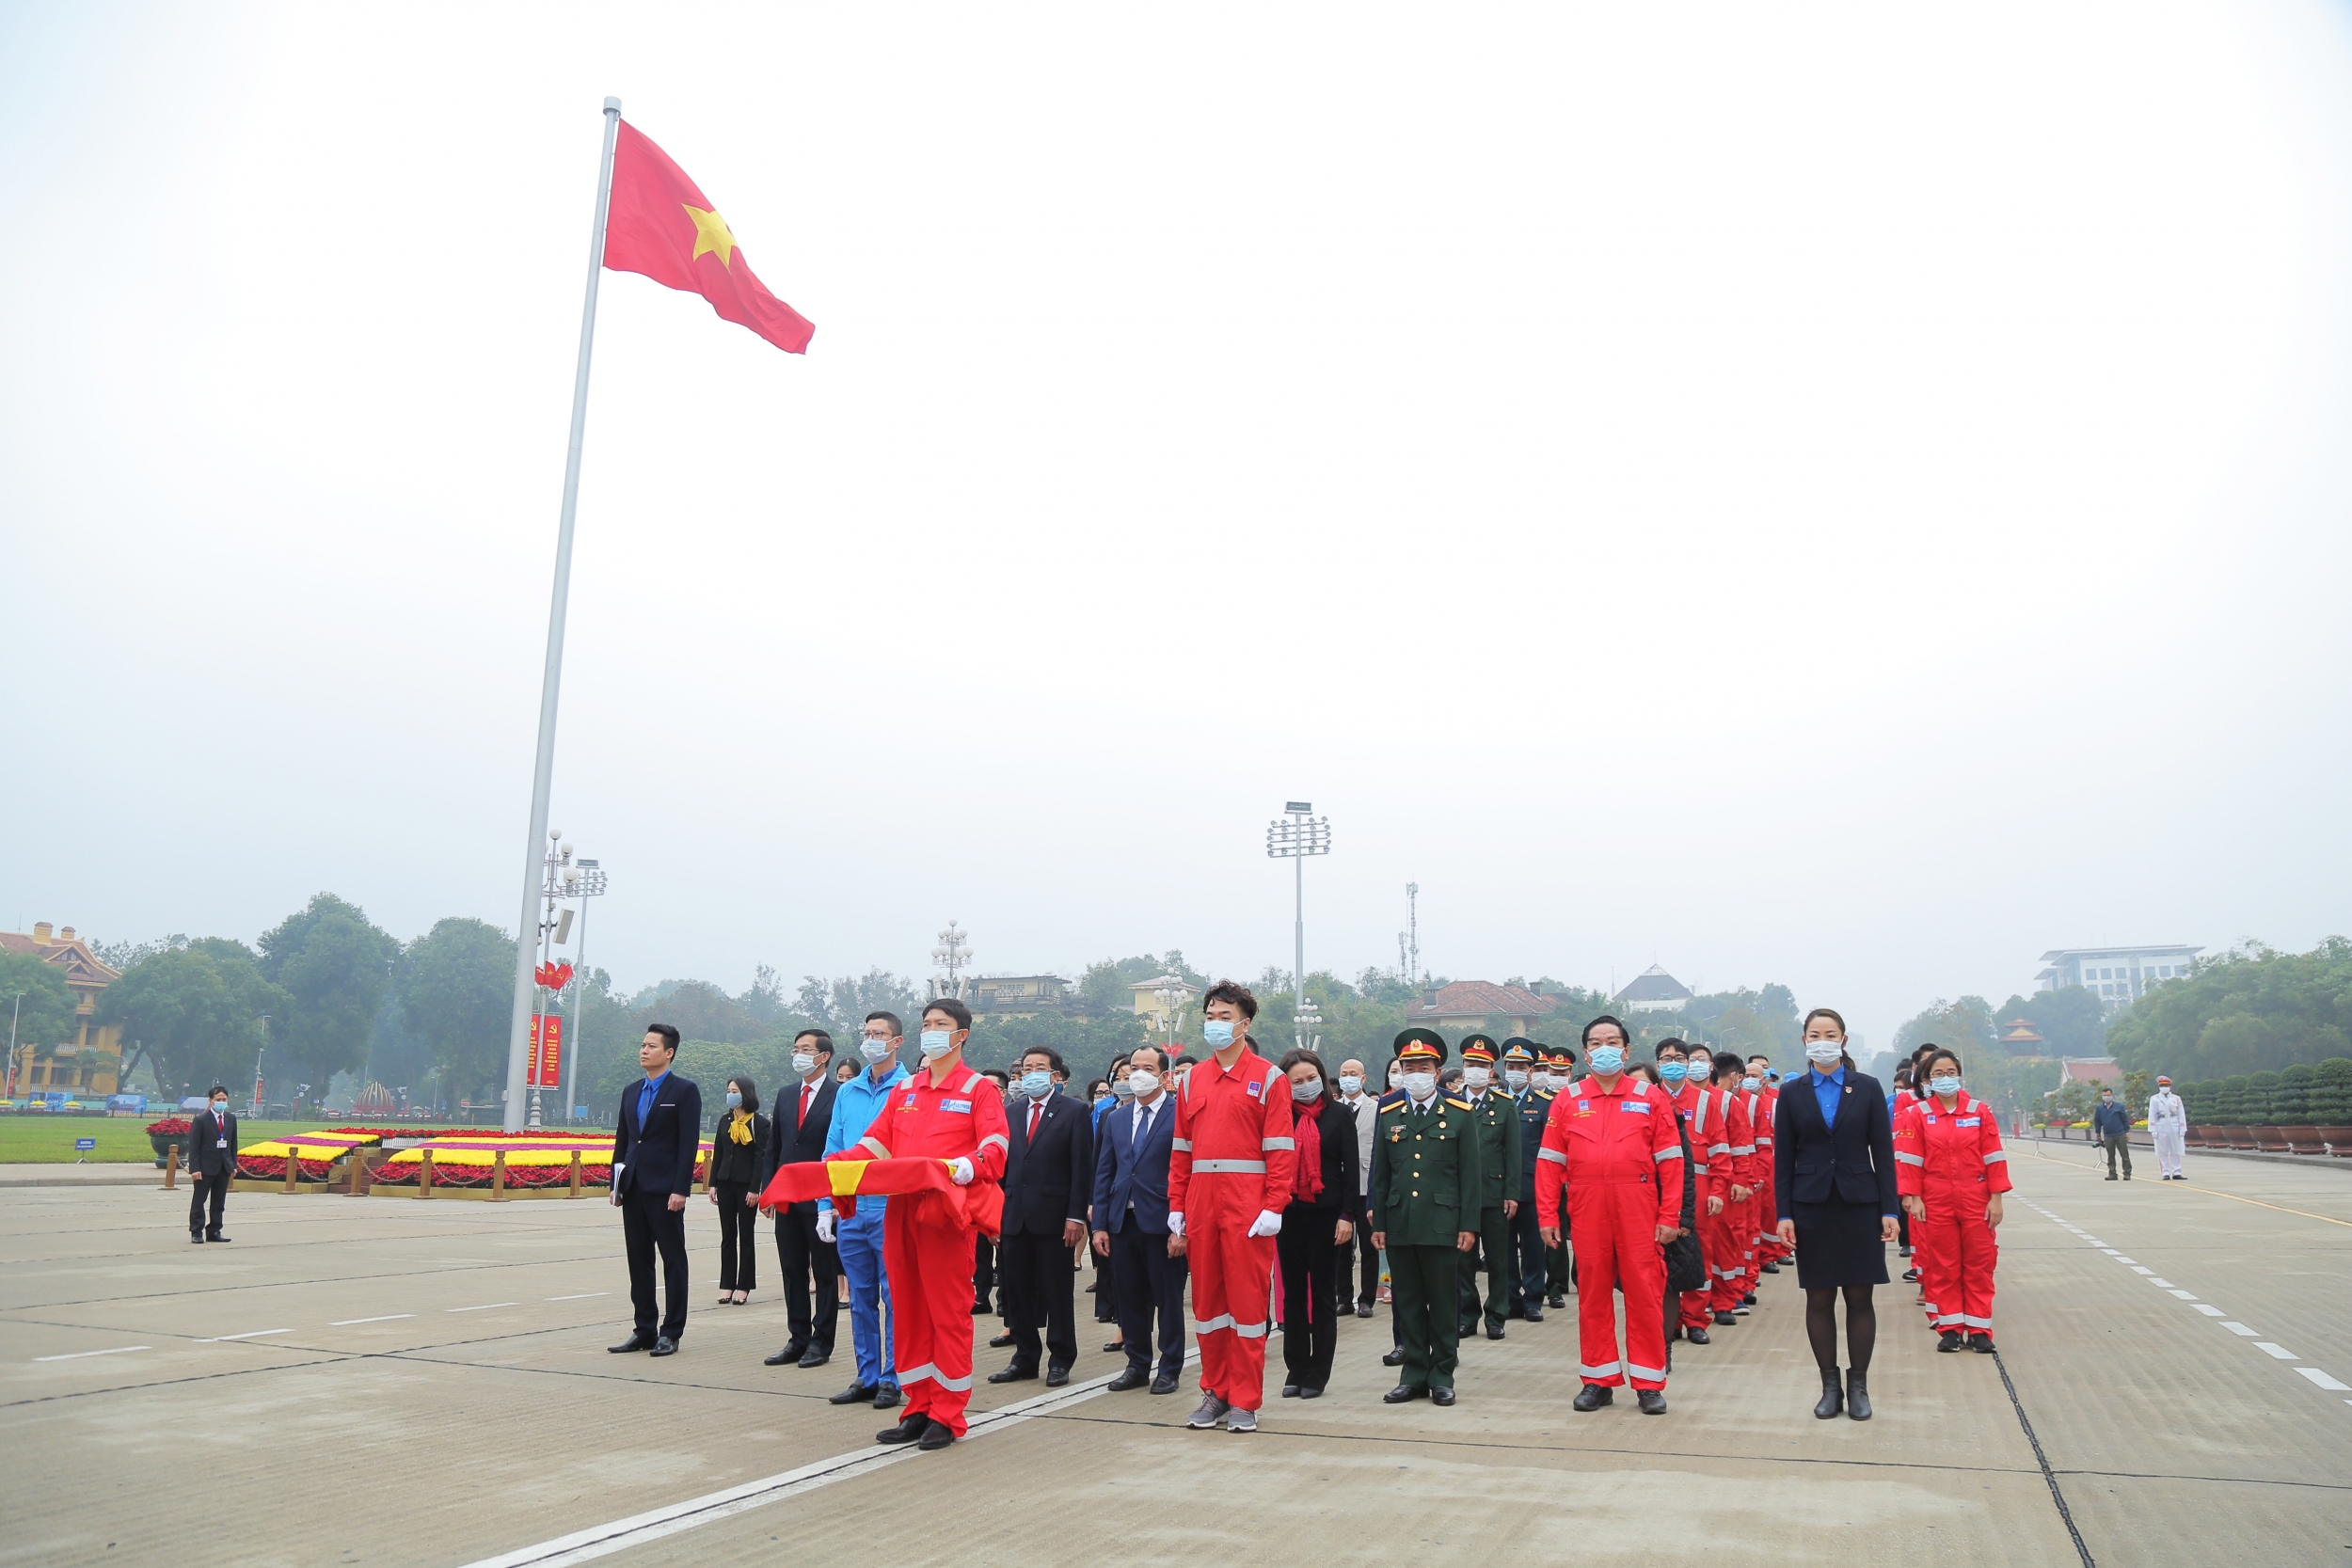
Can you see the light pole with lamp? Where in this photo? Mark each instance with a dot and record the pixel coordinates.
(1170, 993)
(258, 1056)
(590, 885)
(559, 880)
(1303, 834)
(14, 1007)
(1309, 1019)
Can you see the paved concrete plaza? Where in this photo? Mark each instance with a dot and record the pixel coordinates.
(389, 1381)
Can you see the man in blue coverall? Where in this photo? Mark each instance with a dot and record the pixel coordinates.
(859, 1238)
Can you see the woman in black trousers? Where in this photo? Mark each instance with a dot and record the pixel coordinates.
(738, 1161)
(1326, 1206)
(1834, 1175)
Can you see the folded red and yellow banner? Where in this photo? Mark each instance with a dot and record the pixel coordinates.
(925, 1183)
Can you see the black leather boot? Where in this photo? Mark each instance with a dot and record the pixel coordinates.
(1858, 1394)
(1833, 1395)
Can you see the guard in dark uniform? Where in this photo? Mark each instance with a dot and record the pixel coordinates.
(1426, 1195)
(1559, 1267)
(1497, 1116)
(1527, 1240)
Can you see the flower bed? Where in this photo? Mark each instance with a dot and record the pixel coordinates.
(272, 1167)
(535, 1159)
(379, 1133)
(170, 1127)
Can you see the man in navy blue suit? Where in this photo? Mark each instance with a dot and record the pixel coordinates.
(1129, 1213)
(1049, 1172)
(659, 1133)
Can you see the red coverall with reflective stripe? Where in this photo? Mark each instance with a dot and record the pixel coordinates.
(1768, 1248)
(929, 1263)
(1747, 1219)
(1953, 1162)
(1619, 1156)
(1704, 1110)
(1231, 1160)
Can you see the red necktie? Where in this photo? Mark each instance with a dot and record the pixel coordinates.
(808, 1092)
(1037, 1109)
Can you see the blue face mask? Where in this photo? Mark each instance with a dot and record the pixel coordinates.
(1674, 1072)
(1607, 1059)
(735, 1099)
(1037, 1086)
(1219, 1033)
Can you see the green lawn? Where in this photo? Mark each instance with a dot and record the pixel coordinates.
(40, 1138)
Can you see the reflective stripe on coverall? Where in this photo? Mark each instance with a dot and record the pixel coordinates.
(1230, 1161)
(1703, 1109)
(1618, 1155)
(1953, 1162)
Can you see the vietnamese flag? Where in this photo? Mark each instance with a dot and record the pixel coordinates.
(661, 223)
(920, 1182)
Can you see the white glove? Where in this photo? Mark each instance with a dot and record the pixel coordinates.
(1266, 1224)
(962, 1169)
(824, 1227)
(1175, 1223)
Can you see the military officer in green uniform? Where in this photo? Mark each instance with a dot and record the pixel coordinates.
(1425, 1193)
(1496, 1115)
(1559, 1269)
(1527, 1241)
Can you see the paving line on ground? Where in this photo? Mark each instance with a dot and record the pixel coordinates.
(657, 1524)
(2187, 1186)
(2275, 1352)
(76, 1355)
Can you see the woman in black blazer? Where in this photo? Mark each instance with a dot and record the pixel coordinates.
(1327, 1205)
(1834, 1180)
(739, 1172)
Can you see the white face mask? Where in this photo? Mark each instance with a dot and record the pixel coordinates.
(1037, 1086)
(1351, 1083)
(1823, 1052)
(221, 1107)
(1478, 1077)
(1514, 1080)
(936, 1042)
(1420, 1086)
(1143, 1081)
(1307, 1089)
(876, 1050)
(1750, 1085)
(1943, 1087)
(802, 1063)
(1124, 1087)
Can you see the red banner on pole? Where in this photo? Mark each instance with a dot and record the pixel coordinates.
(544, 1069)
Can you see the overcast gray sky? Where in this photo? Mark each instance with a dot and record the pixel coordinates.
(1850, 496)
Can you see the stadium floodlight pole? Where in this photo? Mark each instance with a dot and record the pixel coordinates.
(543, 770)
(591, 883)
(1303, 834)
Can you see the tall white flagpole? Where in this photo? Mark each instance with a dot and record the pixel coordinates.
(534, 850)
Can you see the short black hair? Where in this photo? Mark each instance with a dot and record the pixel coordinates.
(997, 1073)
(1727, 1061)
(216, 1088)
(668, 1033)
(1158, 1057)
(897, 1028)
(1624, 1034)
(1235, 992)
(1670, 1044)
(954, 1010)
(750, 1091)
(1053, 1057)
(1938, 1053)
(824, 1042)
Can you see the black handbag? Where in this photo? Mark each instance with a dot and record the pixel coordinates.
(1685, 1269)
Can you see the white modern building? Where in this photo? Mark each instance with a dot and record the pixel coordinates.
(2114, 974)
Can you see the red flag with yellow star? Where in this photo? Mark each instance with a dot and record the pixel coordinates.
(661, 223)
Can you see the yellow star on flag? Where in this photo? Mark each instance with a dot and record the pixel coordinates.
(712, 234)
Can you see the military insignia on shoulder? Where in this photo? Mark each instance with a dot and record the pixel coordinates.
(1457, 1104)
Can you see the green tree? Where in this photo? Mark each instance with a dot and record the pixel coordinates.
(197, 1009)
(1965, 1025)
(44, 1015)
(701, 1011)
(2072, 1020)
(457, 990)
(765, 1000)
(336, 966)
(2249, 1010)
(841, 1005)
(1087, 1044)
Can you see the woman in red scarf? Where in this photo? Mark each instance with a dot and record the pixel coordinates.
(1326, 1204)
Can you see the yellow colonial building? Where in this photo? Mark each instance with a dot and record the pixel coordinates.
(92, 1062)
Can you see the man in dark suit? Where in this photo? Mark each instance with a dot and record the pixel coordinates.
(796, 1135)
(1131, 1224)
(653, 1172)
(1049, 1175)
(213, 1165)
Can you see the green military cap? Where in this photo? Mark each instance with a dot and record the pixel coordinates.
(1519, 1047)
(1426, 1043)
(1479, 1048)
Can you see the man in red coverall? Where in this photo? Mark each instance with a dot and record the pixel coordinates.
(1702, 1107)
(1229, 1176)
(1733, 1161)
(945, 1111)
(1768, 1246)
(1612, 1143)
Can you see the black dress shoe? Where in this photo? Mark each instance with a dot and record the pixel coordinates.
(789, 1357)
(1014, 1373)
(1833, 1396)
(905, 1432)
(1363, 1309)
(1394, 1357)
(1404, 1393)
(888, 1398)
(1494, 1329)
(665, 1346)
(817, 1356)
(1726, 1319)
(1698, 1337)
(1748, 1300)
(211, 1237)
(635, 1341)
(1128, 1378)
(1772, 1267)
(1290, 1390)
(935, 1439)
(981, 1308)
(1310, 1393)
(1115, 1347)
(1000, 1342)
(1164, 1383)
(197, 1236)
(1858, 1394)
(1592, 1397)
(1555, 1301)
(1535, 1313)
(1057, 1377)
(1440, 1396)
(1910, 1276)
(1652, 1400)
(856, 1393)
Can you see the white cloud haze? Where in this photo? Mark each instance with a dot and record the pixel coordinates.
(1839, 495)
